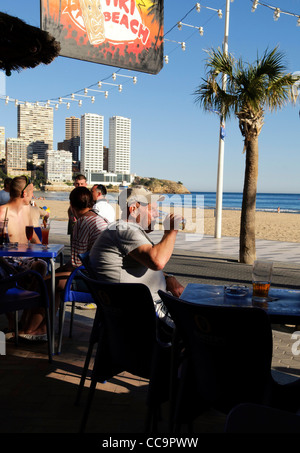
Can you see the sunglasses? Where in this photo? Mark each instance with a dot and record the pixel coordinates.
(28, 181)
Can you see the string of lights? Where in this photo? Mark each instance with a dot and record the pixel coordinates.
(276, 11)
(67, 99)
(83, 93)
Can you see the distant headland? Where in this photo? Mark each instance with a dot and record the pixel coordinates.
(154, 184)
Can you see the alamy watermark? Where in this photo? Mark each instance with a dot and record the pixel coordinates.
(296, 344)
(2, 343)
(174, 211)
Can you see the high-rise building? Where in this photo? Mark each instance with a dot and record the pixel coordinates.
(119, 144)
(2, 143)
(16, 156)
(58, 166)
(91, 157)
(72, 136)
(35, 126)
(105, 158)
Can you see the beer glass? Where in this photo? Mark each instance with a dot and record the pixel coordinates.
(261, 279)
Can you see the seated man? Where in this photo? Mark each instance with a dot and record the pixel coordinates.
(80, 181)
(101, 205)
(18, 211)
(87, 228)
(124, 253)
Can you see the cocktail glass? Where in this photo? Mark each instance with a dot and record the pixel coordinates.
(45, 228)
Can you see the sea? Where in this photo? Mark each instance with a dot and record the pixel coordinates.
(269, 202)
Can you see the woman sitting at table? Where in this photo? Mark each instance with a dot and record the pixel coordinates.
(86, 230)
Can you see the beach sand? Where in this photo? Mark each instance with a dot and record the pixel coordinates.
(271, 226)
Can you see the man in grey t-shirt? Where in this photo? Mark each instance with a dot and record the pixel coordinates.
(124, 253)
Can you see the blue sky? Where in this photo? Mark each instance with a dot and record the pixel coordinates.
(172, 138)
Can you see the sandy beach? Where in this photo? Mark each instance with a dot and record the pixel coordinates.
(271, 226)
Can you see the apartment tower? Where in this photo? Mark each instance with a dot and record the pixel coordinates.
(2, 143)
(91, 128)
(58, 166)
(35, 126)
(16, 156)
(72, 136)
(119, 145)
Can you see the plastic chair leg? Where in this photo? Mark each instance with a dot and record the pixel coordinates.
(72, 319)
(84, 372)
(61, 325)
(88, 405)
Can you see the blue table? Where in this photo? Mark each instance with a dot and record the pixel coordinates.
(282, 308)
(49, 253)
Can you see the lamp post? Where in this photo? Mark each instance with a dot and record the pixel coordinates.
(219, 193)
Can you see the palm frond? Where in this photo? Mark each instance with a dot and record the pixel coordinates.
(249, 87)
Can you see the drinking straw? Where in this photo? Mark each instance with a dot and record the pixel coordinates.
(4, 224)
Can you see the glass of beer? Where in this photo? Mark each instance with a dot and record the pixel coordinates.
(261, 279)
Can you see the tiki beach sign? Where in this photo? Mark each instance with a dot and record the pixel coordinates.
(122, 33)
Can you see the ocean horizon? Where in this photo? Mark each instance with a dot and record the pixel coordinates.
(268, 202)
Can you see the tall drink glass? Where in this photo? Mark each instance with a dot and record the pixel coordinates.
(261, 279)
(45, 228)
(4, 239)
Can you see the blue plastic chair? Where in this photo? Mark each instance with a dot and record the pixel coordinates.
(75, 291)
(14, 298)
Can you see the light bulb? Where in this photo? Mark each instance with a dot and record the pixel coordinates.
(276, 14)
(254, 5)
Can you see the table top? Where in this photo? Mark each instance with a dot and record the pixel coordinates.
(33, 251)
(283, 306)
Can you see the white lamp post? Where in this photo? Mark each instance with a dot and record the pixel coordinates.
(219, 193)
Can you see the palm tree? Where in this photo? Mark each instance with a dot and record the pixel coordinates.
(250, 89)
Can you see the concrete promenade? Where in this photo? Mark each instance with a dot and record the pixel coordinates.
(38, 397)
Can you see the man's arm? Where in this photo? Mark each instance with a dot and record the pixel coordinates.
(156, 256)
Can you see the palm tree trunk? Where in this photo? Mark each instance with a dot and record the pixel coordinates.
(247, 228)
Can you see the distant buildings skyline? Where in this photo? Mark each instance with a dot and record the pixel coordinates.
(84, 139)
